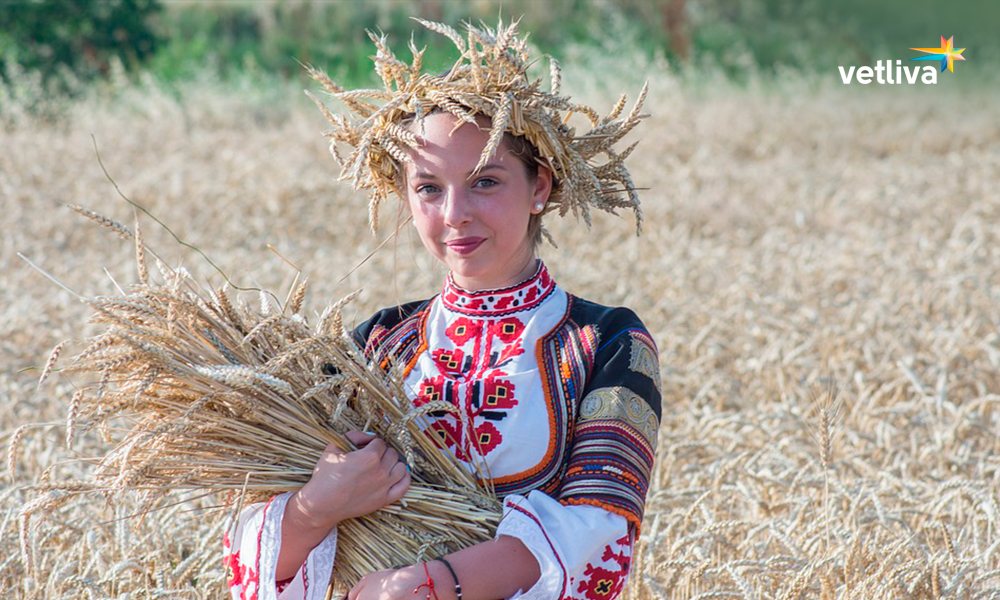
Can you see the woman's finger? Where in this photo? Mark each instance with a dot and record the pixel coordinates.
(390, 458)
(398, 489)
(355, 592)
(372, 452)
(360, 439)
(398, 471)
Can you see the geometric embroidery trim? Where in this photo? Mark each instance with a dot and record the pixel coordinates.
(643, 359)
(499, 302)
(397, 345)
(621, 404)
(611, 459)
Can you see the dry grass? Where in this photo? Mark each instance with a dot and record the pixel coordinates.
(794, 240)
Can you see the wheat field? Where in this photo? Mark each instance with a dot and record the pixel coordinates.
(820, 266)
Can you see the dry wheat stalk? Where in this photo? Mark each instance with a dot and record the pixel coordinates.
(117, 227)
(51, 362)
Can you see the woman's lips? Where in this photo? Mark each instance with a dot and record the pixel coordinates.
(465, 245)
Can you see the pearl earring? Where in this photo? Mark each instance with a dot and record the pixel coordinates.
(539, 206)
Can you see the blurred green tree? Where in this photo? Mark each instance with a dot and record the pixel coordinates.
(83, 35)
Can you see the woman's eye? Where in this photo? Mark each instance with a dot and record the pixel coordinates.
(427, 188)
(486, 182)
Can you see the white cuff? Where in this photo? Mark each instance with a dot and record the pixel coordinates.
(520, 521)
(260, 531)
(572, 544)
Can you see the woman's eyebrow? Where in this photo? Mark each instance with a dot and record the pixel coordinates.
(487, 167)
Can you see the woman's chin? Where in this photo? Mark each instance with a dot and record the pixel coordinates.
(471, 279)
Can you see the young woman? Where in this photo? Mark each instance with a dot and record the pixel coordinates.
(557, 396)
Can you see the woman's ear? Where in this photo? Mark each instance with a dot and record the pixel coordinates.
(543, 186)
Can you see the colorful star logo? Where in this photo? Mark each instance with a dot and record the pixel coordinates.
(947, 54)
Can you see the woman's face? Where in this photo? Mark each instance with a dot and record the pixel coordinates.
(475, 223)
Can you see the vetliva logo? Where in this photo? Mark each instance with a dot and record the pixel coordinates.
(947, 54)
(864, 75)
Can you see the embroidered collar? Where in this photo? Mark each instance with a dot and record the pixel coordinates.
(496, 303)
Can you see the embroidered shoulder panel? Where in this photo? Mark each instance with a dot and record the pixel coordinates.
(643, 357)
(612, 455)
(621, 404)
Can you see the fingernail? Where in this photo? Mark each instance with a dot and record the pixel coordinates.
(407, 467)
(368, 432)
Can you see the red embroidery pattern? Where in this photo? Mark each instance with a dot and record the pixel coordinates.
(497, 394)
(449, 361)
(491, 399)
(231, 560)
(449, 435)
(463, 330)
(471, 362)
(240, 575)
(507, 330)
(603, 583)
(487, 437)
(432, 389)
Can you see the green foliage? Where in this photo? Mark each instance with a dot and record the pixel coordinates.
(85, 37)
(278, 36)
(270, 38)
(818, 35)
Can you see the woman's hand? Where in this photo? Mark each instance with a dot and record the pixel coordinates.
(509, 567)
(343, 485)
(400, 584)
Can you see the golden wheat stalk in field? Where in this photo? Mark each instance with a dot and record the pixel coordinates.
(211, 396)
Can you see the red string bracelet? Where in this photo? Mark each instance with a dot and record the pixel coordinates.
(429, 585)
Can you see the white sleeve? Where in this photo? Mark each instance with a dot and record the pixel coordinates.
(584, 552)
(251, 555)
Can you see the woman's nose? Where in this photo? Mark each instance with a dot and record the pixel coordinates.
(456, 209)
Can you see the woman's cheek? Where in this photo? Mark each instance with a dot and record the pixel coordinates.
(428, 229)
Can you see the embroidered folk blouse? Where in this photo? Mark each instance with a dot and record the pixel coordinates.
(559, 405)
